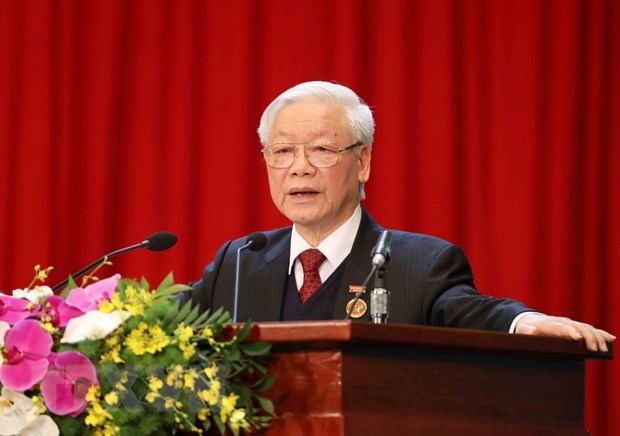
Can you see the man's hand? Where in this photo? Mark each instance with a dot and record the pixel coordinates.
(540, 324)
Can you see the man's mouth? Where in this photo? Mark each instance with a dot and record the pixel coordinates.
(302, 192)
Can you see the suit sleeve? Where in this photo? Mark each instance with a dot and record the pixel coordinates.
(457, 303)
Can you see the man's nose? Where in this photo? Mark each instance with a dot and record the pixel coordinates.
(301, 164)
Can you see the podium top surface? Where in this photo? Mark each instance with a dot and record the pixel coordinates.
(300, 333)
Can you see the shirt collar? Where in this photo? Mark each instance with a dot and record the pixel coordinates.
(336, 247)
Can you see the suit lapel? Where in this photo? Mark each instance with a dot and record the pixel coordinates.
(358, 265)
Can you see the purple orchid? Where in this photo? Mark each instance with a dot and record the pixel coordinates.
(88, 298)
(14, 310)
(66, 384)
(58, 312)
(26, 349)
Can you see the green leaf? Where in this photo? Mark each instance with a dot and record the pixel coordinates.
(265, 403)
(181, 314)
(265, 383)
(218, 423)
(144, 284)
(260, 367)
(174, 289)
(201, 319)
(165, 283)
(170, 313)
(255, 348)
(71, 285)
(245, 331)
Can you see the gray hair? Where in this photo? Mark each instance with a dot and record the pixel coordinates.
(358, 114)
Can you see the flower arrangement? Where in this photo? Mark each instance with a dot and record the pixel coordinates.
(113, 356)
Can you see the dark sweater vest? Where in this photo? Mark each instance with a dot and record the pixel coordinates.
(319, 306)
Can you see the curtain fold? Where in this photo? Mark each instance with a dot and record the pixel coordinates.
(498, 128)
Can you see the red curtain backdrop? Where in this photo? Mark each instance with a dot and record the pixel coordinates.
(498, 128)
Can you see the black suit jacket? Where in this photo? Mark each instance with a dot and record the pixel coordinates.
(430, 281)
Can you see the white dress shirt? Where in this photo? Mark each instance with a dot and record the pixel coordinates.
(336, 247)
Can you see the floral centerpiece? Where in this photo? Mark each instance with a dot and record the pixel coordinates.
(115, 357)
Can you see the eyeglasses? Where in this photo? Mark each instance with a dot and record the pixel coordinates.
(319, 154)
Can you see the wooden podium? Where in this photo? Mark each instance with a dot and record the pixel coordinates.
(353, 378)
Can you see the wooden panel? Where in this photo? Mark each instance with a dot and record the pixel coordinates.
(307, 393)
(464, 389)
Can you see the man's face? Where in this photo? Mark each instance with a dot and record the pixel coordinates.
(318, 200)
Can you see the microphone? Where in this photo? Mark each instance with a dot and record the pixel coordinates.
(380, 255)
(158, 241)
(381, 252)
(380, 299)
(254, 242)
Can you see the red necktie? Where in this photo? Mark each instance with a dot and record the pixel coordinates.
(310, 259)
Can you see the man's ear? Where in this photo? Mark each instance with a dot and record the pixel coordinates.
(363, 160)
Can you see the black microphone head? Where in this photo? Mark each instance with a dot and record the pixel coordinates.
(160, 241)
(257, 241)
(382, 251)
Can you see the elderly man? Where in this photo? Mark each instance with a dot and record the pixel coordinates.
(317, 140)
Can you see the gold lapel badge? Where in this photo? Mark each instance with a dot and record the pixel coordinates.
(354, 289)
(360, 307)
(359, 310)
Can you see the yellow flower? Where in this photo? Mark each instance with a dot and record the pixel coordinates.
(120, 384)
(188, 350)
(190, 379)
(42, 274)
(151, 397)
(169, 403)
(184, 334)
(112, 355)
(216, 386)
(97, 416)
(136, 300)
(203, 414)
(155, 384)
(49, 327)
(38, 403)
(211, 371)
(228, 408)
(106, 306)
(237, 419)
(229, 402)
(117, 301)
(147, 339)
(111, 398)
(93, 394)
(107, 430)
(114, 339)
(174, 377)
(208, 397)
(207, 332)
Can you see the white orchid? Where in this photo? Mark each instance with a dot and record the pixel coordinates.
(93, 325)
(36, 295)
(19, 416)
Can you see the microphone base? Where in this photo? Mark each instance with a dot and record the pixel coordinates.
(380, 319)
(379, 305)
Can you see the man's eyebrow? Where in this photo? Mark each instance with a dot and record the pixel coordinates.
(319, 135)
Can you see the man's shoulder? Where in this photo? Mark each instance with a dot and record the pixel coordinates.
(274, 237)
(422, 246)
(404, 237)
